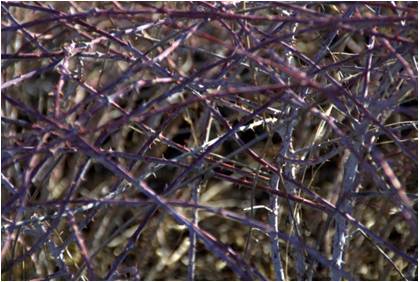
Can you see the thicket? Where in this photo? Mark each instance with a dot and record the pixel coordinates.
(209, 140)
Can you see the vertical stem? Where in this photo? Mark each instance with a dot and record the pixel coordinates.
(286, 132)
(290, 171)
(350, 181)
(192, 235)
(340, 239)
(206, 121)
(276, 256)
(273, 220)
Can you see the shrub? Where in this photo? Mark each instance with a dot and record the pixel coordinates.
(209, 140)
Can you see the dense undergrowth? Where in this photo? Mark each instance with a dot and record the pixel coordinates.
(209, 140)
